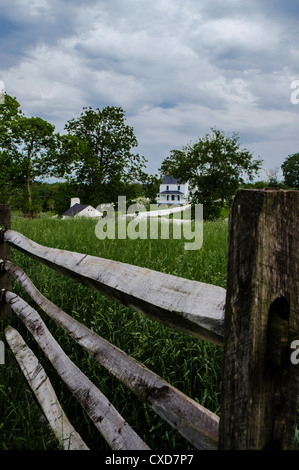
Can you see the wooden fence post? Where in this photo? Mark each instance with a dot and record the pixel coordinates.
(259, 379)
(5, 278)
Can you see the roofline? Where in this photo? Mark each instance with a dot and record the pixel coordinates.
(171, 192)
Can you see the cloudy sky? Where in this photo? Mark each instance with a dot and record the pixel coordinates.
(177, 68)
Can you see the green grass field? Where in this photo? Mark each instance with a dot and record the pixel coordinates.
(191, 365)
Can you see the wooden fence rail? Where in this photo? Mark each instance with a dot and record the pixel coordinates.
(44, 392)
(189, 306)
(255, 319)
(193, 421)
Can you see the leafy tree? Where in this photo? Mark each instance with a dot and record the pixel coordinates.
(290, 169)
(9, 112)
(97, 148)
(151, 186)
(26, 146)
(215, 166)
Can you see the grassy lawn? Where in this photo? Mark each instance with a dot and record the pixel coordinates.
(191, 365)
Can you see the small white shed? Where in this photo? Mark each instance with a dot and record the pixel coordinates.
(81, 210)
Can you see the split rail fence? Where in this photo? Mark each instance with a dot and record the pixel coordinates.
(255, 319)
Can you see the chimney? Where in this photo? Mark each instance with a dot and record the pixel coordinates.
(74, 200)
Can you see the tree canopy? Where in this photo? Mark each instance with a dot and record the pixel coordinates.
(104, 147)
(95, 156)
(215, 166)
(290, 169)
(26, 145)
(96, 153)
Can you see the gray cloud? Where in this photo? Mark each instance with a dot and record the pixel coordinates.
(177, 68)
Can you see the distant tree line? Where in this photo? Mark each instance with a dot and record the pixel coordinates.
(94, 160)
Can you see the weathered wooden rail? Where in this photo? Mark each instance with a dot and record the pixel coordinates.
(255, 320)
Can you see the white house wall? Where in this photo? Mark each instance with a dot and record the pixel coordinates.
(184, 188)
(174, 187)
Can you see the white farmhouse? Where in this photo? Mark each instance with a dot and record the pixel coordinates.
(81, 210)
(172, 191)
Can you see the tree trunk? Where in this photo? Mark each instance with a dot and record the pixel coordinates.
(30, 211)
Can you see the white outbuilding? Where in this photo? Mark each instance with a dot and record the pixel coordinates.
(81, 210)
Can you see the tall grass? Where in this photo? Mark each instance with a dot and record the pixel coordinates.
(191, 365)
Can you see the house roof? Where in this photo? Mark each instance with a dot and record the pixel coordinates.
(168, 179)
(171, 192)
(75, 209)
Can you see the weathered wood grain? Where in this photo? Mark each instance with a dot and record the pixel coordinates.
(188, 306)
(197, 424)
(260, 383)
(116, 431)
(5, 253)
(40, 384)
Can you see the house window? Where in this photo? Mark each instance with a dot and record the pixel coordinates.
(167, 188)
(172, 198)
(167, 198)
(179, 187)
(179, 198)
